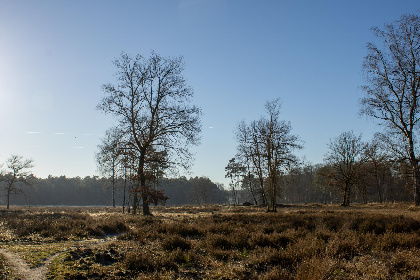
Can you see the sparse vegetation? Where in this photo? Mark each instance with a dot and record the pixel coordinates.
(299, 242)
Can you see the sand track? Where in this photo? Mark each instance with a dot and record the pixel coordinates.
(22, 269)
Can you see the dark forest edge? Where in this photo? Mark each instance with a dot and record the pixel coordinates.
(302, 185)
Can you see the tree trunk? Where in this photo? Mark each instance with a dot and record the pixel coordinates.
(379, 187)
(272, 204)
(144, 189)
(252, 190)
(113, 183)
(113, 197)
(263, 196)
(253, 197)
(346, 194)
(274, 207)
(416, 172)
(125, 187)
(8, 198)
(136, 198)
(138, 187)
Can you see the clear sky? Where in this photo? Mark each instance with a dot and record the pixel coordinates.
(55, 55)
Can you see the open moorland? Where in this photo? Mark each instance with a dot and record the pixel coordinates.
(371, 241)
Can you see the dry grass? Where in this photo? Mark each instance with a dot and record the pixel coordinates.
(220, 242)
(42, 226)
(5, 271)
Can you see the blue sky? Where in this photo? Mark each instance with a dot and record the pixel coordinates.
(55, 55)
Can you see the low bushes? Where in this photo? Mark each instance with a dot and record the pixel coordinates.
(294, 245)
(63, 226)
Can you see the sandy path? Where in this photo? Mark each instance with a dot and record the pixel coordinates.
(21, 268)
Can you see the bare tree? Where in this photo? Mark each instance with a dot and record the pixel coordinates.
(250, 152)
(234, 171)
(378, 164)
(16, 175)
(279, 145)
(346, 155)
(109, 157)
(268, 145)
(250, 158)
(152, 103)
(392, 90)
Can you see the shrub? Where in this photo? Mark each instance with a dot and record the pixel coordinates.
(372, 225)
(307, 248)
(403, 225)
(405, 261)
(391, 241)
(263, 259)
(180, 257)
(276, 273)
(223, 255)
(274, 240)
(221, 228)
(180, 228)
(113, 227)
(218, 241)
(174, 242)
(302, 222)
(346, 245)
(331, 222)
(140, 260)
(314, 269)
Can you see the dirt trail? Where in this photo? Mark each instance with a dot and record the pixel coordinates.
(22, 269)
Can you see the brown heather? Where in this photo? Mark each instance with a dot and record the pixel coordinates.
(218, 242)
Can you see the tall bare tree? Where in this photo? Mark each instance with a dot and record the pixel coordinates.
(151, 101)
(346, 155)
(250, 157)
(234, 171)
(279, 145)
(16, 175)
(377, 165)
(110, 155)
(392, 90)
(269, 145)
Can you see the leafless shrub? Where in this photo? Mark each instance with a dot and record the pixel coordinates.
(345, 245)
(277, 273)
(264, 259)
(315, 268)
(143, 260)
(182, 229)
(174, 242)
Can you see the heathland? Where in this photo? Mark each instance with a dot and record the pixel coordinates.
(373, 241)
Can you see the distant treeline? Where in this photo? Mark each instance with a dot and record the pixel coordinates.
(303, 184)
(310, 183)
(98, 191)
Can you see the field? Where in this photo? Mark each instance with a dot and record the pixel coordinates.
(212, 242)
